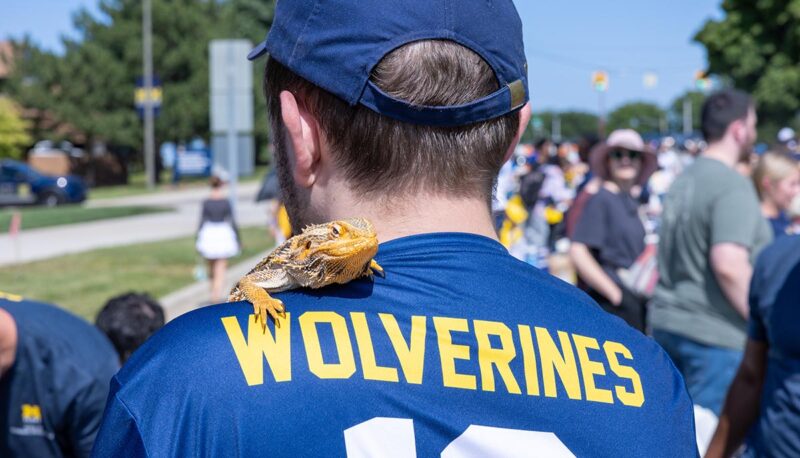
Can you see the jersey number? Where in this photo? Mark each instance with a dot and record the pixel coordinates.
(394, 438)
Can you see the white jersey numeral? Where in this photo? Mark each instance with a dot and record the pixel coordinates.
(394, 438)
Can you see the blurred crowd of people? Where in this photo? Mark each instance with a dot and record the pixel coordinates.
(666, 235)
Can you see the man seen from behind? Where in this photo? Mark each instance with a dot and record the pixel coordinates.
(403, 114)
(711, 232)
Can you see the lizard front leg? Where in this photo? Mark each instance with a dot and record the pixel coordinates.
(252, 287)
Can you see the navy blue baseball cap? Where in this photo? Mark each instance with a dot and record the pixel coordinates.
(335, 44)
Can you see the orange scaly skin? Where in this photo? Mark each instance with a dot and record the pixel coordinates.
(323, 254)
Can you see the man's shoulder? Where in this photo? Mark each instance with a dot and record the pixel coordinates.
(601, 197)
(51, 328)
(786, 246)
(778, 259)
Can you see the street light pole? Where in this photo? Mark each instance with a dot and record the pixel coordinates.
(601, 120)
(687, 116)
(556, 128)
(149, 136)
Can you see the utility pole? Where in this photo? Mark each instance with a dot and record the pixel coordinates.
(556, 128)
(232, 150)
(600, 84)
(149, 136)
(601, 120)
(687, 116)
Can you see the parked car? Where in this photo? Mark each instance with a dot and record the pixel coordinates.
(20, 184)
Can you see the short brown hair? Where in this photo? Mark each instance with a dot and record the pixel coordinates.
(721, 109)
(379, 154)
(215, 182)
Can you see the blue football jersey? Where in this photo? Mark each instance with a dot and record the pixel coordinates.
(460, 351)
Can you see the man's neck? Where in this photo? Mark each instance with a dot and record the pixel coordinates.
(8, 341)
(723, 152)
(420, 214)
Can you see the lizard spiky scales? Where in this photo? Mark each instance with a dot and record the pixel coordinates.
(323, 254)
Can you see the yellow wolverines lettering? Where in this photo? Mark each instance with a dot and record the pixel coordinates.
(371, 369)
(346, 366)
(450, 352)
(500, 358)
(553, 363)
(274, 348)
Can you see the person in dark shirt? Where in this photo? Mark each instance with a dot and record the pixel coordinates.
(217, 236)
(609, 235)
(55, 371)
(764, 397)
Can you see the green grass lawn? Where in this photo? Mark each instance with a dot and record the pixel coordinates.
(137, 184)
(37, 217)
(83, 282)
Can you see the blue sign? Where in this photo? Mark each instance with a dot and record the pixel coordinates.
(141, 96)
(194, 162)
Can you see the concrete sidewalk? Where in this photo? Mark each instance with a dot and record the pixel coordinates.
(197, 295)
(171, 197)
(32, 245)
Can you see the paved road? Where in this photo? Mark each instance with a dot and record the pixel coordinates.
(45, 243)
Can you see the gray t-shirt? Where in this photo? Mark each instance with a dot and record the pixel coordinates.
(708, 204)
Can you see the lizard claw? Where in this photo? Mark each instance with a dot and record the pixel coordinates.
(273, 307)
(374, 267)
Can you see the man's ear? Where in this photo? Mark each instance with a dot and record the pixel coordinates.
(738, 130)
(302, 132)
(524, 119)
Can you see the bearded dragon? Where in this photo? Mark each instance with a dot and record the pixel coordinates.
(323, 254)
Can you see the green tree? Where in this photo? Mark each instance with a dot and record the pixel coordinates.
(92, 85)
(643, 117)
(35, 83)
(756, 46)
(574, 125)
(102, 65)
(696, 99)
(13, 130)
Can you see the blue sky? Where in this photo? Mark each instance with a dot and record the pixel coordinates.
(565, 41)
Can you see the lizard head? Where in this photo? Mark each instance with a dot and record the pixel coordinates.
(343, 247)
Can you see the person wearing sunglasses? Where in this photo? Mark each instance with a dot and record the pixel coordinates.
(609, 235)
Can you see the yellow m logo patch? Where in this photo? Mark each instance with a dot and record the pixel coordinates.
(31, 413)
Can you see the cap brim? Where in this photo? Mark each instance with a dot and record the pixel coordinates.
(258, 51)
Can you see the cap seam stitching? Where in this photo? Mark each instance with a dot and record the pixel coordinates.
(303, 32)
(448, 16)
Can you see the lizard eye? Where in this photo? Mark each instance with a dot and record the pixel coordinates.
(308, 245)
(335, 231)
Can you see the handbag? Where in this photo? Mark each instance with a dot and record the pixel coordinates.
(641, 277)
